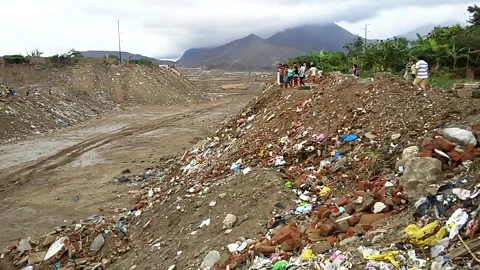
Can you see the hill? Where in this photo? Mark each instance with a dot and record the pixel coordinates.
(241, 54)
(125, 56)
(313, 37)
(51, 97)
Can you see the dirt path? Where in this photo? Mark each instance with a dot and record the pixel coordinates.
(61, 178)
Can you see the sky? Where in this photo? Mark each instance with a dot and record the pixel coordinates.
(166, 28)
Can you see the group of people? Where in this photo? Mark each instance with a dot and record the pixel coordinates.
(419, 73)
(294, 75)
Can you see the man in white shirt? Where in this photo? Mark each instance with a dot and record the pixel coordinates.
(301, 74)
(421, 77)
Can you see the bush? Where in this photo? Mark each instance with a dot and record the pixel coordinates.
(16, 59)
(59, 59)
(143, 61)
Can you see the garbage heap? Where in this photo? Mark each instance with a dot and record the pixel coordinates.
(350, 151)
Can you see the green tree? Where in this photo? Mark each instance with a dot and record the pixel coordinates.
(74, 53)
(475, 15)
(455, 52)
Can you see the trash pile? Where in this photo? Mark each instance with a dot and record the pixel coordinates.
(340, 149)
(49, 98)
(79, 246)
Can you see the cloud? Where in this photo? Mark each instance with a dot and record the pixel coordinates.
(166, 28)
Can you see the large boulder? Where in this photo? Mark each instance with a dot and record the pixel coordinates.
(419, 174)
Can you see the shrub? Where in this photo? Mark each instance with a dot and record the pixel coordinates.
(16, 59)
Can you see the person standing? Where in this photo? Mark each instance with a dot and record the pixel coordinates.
(281, 70)
(278, 75)
(290, 74)
(413, 71)
(313, 73)
(421, 77)
(295, 75)
(408, 71)
(301, 74)
(355, 71)
(285, 75)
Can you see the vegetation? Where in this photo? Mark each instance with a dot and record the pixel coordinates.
(16, 59)
(36, 53)
(142, 61)
(450, 51)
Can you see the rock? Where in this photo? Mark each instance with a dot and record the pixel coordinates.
(211, 259)
(396, 136)
(460, 136)
(198, 204)
(319, 248)
(410, 152)
(419, 174)
(229, 221)
(364, 202)
(370, 136)
(36, 257)
(97, 243)
(369, 219)
(378, 207)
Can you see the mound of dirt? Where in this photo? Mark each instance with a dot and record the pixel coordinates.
(48, 98)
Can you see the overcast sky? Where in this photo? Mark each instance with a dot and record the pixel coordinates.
(166, 28)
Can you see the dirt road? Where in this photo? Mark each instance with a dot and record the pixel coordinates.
(61, 178)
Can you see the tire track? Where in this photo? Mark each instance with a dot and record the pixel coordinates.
(69, 154)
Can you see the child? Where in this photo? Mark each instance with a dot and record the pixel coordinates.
(355, 71)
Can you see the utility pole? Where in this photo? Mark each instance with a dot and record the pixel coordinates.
(119, 46)
(366, 31)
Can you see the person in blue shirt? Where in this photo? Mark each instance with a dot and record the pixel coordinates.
(290, 74)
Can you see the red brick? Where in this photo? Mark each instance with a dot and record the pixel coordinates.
(326, 229)
(425, 153)
(359, 193)
(444, 144)
(379, 195)
(353, 220)
(455, 155)
(342, 201)
(350, 208)
(349, 233)
(429, 146)
(467, 155)
(321, 210)
(469, 147)
(370, 185)
(362, 185)
(342, 226)
(332, 240)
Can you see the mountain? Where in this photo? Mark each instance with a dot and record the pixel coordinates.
(425, 29)
(125, 56)
(313, 37)
(251, 52)
(422, 30)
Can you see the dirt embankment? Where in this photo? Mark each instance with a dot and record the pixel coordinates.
(48, 98)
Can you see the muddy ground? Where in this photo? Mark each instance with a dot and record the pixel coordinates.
(63, 177)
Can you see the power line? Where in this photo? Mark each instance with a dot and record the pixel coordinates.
(366, 31)
(119, 45)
